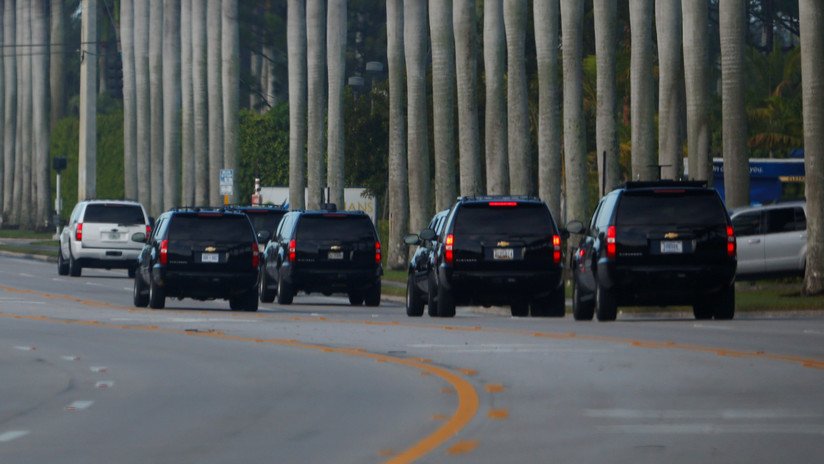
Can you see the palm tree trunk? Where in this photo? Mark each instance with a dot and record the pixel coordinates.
(316, 67)
(156, 53)
(443, 96)
(336, 57)
(641, 89)
(40, 115)
(171, 103)
(575, 148)
(57, 60)
(27, 192)
(231, 84)
(697, 82)
(811, 14)
(187, 135)
(671, 111)
(129, 98)
(296, 46)
(3, 165)
(215, 77)
(466, 67)
(200, 111)
(415, 51)
(495, 125)
(398, 180)
(10, 112)
(17, 193)
(606, 135)
(547, 33)
(520, 165)
(733, 24)
(143, 125)
(254, 69)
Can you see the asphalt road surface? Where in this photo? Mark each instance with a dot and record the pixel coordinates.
(87, 378)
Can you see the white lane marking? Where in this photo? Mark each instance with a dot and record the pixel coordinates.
(99, 369)
(95, 284)
(104, 384)
(20, 301)
(23, 274)
(12, 435)
(703, 414)
(70, 357)
(128, 289)
(506, 348)
(25, 348)
(79, 405)
(56, 279)
(813, 332)
(706, 429)
(711, 327)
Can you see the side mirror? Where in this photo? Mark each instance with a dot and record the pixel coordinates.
(263, 236)
(412, 239)
(427, 234)
(575, 227)
(139, 237)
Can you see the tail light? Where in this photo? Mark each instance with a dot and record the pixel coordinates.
(78, 232)
(255, 255)
(293, 250)
(502, 204)
(730, 242)
(148, 230)
(449, 255)
(556, 249)
(611, 245)
(164, 253)
(377, 252)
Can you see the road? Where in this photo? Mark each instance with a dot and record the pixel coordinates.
(87, 378)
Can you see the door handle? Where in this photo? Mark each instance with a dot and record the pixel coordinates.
(754, 240)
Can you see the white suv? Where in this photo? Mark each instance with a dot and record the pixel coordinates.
(771, 240)
(99, 235)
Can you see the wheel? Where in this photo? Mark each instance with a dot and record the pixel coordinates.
(355, 298)
(431, 297)
(373, 294)
(414, 301)
(285, 295)
(725, 308)
(140, 295)
(247, 301)
(519, 309)
(157, 296)
(446, 304)
(266, 294)
(553, 305)
(606, 307)
(703, 310)
(62, 265)
(131, 271)
(581, 310)
(74, 267)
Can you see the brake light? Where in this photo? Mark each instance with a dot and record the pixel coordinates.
(164, 252)
(293, 250)
(556, 249)
(730, 242)
(499, 204)
(255, 255)
(148, 230)
(448, 249)
(611, 245)
(377, 252)
(78, 232)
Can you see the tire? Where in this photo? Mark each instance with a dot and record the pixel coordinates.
(157, 296)
(62, 265)
(725, 308)
(75, 269)
(266, 294)
(431, 297)
(581, 310)
(414, 300)
(703, 310)
(373, 295)
(606, 306)
(553, 305)
(247, 301)
(446, 303)
(140, 294)
(519, 309)
(285, 295)
(131, 272)
(356, 298)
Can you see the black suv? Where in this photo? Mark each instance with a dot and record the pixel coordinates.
(492, 250)
(656, 243)
(420, 284)
(199, 253)
(323, 251)
(265, 218)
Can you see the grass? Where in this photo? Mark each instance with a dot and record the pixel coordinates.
(16, 233)
(777, 294)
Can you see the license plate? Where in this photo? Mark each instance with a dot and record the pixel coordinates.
(210, 258)
(113, 236)
(503, 254)
(672, 247)
(335, 255)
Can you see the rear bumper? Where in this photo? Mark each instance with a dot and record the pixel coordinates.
(499, 287)
(204, 284)
(108, 258)
(665, 285)
(330, 281)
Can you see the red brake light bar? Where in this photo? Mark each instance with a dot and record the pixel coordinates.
(498, 204)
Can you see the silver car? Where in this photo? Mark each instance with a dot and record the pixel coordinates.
(99, 234)
(771, 240)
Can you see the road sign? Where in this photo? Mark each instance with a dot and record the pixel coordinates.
(227, 181)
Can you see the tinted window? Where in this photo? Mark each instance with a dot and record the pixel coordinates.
(800, 219)
(747, 224)
(218, 228)
(782, 220)
(682, 207)
(524, 219)
(605, 212)
(335, 227)
(114, 214)
(265, 220)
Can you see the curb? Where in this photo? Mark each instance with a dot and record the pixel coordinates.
(32, 256)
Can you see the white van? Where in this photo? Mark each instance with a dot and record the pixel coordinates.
(771, 240)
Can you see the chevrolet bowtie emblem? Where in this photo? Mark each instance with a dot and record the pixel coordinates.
(335, 248)
(210, 249)
(671, 235)
(503, 244)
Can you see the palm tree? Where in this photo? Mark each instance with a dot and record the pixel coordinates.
(670, 88)
(697, 82)
(316, 68)
(415, 50)
(3, 164)
(40, 116)
(156, 53)
(129, 97)
(171, 103)
(466, 68)
(443, 96)
(200, 98)
(187, 106)
(606, 135)
(641, 90)
(495, 125)
(142, 92)
(231, 84)
(17, 189)
(336, 58)
(732, 26)
(296, 46)
(398, 188)
(26, 152)
(10, 113)
(56, 61)
(520, 166)
(811, 14)
(575, 149)
(215, 102)
(547, 33)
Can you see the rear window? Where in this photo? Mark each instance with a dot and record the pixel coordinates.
(523, 219)
(335, 227)
(218, 228)
(265, 220)
(685, 207)
(114, 214)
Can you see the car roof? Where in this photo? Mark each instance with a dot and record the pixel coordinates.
(112, 202)
(664, 184)
(313, 212)
(791, 204)
(256, 208)
(488, 198)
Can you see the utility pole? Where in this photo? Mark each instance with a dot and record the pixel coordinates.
(86, 185)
